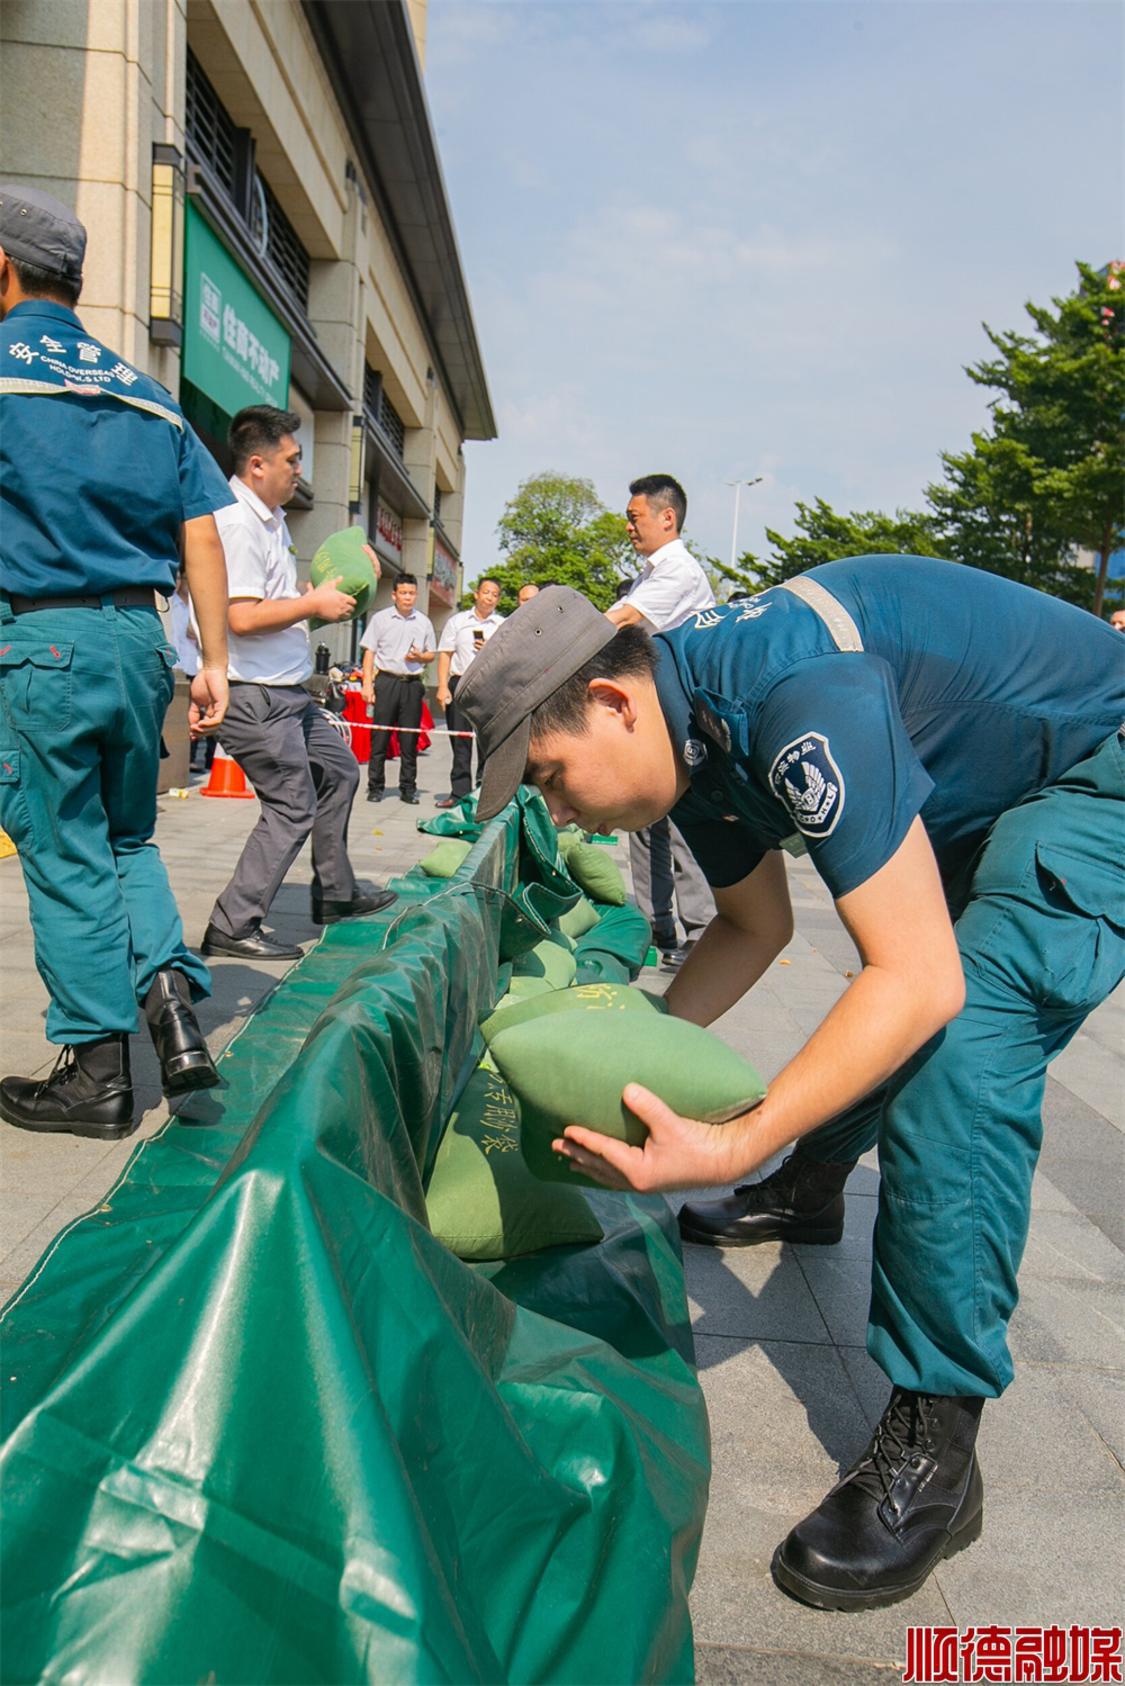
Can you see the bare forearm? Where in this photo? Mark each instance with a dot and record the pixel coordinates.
(874, 1028)
(624, 614)
(722, 966)
(206, 571)
(266, 614)
(445, 657)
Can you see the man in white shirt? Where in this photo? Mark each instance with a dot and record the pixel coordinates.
(397, 646)
(303, 773)
(670, 588)
(463, 636)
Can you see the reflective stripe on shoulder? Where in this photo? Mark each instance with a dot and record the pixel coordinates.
(15, 384)
(845, 633)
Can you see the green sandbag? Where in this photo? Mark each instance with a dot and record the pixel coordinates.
(443, 861)
(524, 988)
(579, 919)
(342, 556)
(568, 838)
(561, 1078)
(596, 872)
(582, 998)
(483, 1202)
(550, 959)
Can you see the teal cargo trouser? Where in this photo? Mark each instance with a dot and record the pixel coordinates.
(1042, 939)
(83, 693)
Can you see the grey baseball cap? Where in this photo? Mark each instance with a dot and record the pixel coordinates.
(536, 650)
(34, 228)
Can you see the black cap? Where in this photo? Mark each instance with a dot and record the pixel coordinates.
(34, 228)
(535, 652)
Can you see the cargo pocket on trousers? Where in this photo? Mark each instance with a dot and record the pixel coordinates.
(1086, 955)
(36, 683)
(15, 820)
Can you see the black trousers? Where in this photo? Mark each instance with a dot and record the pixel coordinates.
(461, 781)
(398, 702)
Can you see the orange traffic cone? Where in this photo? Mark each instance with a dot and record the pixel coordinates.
(227, 777)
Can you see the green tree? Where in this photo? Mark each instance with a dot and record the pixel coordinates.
(1048, 476)
(557, 529)
(823, 534)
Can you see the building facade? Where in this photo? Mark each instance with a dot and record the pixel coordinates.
(268, 224)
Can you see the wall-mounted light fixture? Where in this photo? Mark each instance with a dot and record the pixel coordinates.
(166, 264)
(358, 473)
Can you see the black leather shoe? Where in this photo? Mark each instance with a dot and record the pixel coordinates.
(255, 946)
(375, 795)
(89, 1093)
(410, 796)
(185, 1063)
(914, 1498)
(364, 901)
(801, 1201)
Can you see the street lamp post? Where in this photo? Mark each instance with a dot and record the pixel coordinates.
(738, 485)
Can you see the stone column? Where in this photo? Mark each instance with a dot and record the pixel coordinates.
(87, 87)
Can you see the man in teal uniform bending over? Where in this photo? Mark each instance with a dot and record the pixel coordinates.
(102, 485)
(947, 745)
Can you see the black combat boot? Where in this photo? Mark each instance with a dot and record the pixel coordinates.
(801, 1201)
(184, 1061)
(89, 1093)
(915, 1497)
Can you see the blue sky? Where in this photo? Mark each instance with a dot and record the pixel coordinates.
(760, 237)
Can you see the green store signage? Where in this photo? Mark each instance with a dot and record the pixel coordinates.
(235, 349)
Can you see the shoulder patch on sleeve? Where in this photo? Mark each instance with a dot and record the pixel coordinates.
(807, 781)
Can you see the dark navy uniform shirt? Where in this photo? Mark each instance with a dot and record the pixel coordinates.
(98, 468)
(971, 692)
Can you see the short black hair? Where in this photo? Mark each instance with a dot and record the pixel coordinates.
(488, 579)
(629, 655)
(259, 428)
(624, 587)
(40, 283)
(663, 492)
(405, 579)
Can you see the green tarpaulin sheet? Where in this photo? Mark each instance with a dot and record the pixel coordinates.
(259, 1425)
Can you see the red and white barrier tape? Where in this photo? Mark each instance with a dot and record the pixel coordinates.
(415, 731)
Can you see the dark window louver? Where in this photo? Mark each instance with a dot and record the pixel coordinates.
(392, 424)
(437, 503)
(215, 139)
(284, 250)
(210, 130)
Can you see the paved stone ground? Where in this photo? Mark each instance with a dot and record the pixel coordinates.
(779, 1331)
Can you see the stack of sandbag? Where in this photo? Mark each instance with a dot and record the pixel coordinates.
(558, 1055)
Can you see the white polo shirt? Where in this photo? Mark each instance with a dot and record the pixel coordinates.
(261, 564)
(670, 588)
(389, 635)
(179, 624)
(457, 637)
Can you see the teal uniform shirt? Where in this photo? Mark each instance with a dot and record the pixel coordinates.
(98, 468)
(970, 694)
(98, 473)
(992, 712)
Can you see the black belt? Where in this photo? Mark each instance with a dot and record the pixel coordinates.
(128, 597)
(385, 673)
